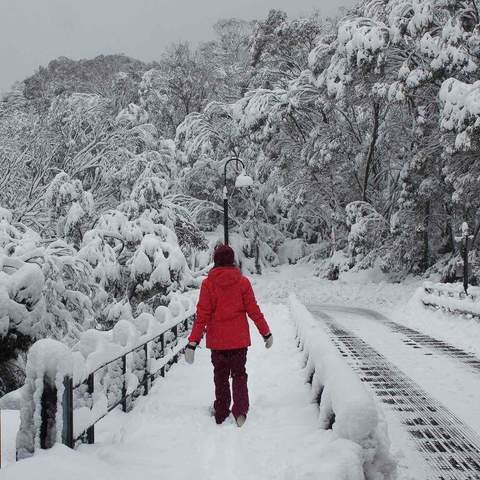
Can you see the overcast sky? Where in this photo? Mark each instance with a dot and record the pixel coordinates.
(33, 32)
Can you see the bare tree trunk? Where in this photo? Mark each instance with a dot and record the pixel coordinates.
(371, 149)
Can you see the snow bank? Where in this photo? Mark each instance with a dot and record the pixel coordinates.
(50, 362)
(450, 297)
(345, 405)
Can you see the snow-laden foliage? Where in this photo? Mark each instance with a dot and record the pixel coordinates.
(376, 112)
(85, 181)
(70, 207)
(461, 111)
(46, 290)
(361, 134)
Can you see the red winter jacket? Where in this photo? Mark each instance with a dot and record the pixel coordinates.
(226, 297)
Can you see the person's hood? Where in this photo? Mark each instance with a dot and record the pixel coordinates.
(224, 276)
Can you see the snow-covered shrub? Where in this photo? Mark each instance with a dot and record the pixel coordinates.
(159, 163)
(69, 291)
(158, 268)
(101, 249)
(367, 228)
(133, 114)
(345, 406)
(136, 258)
(45, 291)
(134, 250)
(70, 207)
(362, 40)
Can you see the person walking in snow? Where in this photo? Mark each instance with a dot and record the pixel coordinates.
(226, 298)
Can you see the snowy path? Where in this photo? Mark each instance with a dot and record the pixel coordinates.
(415, 338)
(409, 380)
(170, 434)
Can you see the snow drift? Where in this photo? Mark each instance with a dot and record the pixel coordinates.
(346, 407)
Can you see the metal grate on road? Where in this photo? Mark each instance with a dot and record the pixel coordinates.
(449, 447)
(414, 338)
(439, 345)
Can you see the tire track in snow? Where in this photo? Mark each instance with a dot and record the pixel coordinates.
(415, 338)
(449, 447)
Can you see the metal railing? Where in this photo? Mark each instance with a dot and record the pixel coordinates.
(452, 298)
(156, 356)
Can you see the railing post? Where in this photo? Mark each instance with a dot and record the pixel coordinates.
(146, 375)
(48, 413)
(91, 389)
(162, 341)
(175, 332)
(124, 385)
(67, 407)
(175, 337)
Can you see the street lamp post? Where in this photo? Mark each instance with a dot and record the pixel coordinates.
(465, 238)
(242, 181)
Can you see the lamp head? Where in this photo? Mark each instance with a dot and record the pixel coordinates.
(243, 180)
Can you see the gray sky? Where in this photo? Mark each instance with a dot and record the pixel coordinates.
(33, 32)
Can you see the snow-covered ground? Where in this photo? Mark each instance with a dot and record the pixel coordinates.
(443, 378)
(371, 289)
(170, 431)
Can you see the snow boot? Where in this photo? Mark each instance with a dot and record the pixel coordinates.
(218, 420)
(240, 420)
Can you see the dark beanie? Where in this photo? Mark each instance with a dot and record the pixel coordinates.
(223, 256)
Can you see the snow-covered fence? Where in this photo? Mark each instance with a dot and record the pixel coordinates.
(67, 391)
(451, 297)
(345, 405)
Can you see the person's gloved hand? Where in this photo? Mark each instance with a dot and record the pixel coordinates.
(190, 352)
(268, 340)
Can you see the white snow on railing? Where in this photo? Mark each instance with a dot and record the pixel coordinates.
(342, 398)
(52, 361)
(98, 348)
(451, 297)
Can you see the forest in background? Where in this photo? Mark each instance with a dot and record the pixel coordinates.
(362, 134)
